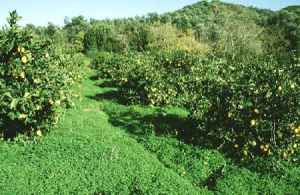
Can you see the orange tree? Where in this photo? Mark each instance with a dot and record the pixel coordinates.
(247, 108)
(251, 109)
(34, 81)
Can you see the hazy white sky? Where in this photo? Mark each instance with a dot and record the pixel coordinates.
(40, 12)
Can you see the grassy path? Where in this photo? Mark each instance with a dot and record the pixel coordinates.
(85, 154)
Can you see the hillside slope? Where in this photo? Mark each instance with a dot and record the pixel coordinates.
(206, 12)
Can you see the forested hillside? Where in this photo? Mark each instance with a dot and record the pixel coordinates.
(231, 31)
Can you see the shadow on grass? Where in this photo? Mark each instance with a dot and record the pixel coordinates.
(110, 95)
(10, 129)
(94, 77)
(107, 84)
(104, 83)
(142, 126)
(158, 123)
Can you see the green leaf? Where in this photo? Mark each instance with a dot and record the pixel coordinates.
(13, 103)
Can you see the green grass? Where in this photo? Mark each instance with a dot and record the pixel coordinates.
(85, 154)
(166, 133)
(103, 147)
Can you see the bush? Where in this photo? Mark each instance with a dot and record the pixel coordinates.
(252, 108)
(284, 25)
(138, 35)
(34, 81)
(168, 37)
(75, 32)
(157, 78)
(104, 63)
(248, 108)
(170, 76)
(105, 37)
(129, 72)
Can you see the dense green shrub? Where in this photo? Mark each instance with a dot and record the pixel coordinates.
(138, 36)
(285, 27)
(104, 63)
(250, 108)
(157, 78)
(130, 72)
(168, 37)
(172, 69)
(75, 30)
(34, 81)
(105, 37)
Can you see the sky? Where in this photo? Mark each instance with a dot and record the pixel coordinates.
(40, 12)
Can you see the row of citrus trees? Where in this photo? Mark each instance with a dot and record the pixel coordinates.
(35, 79)
(251, 109)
